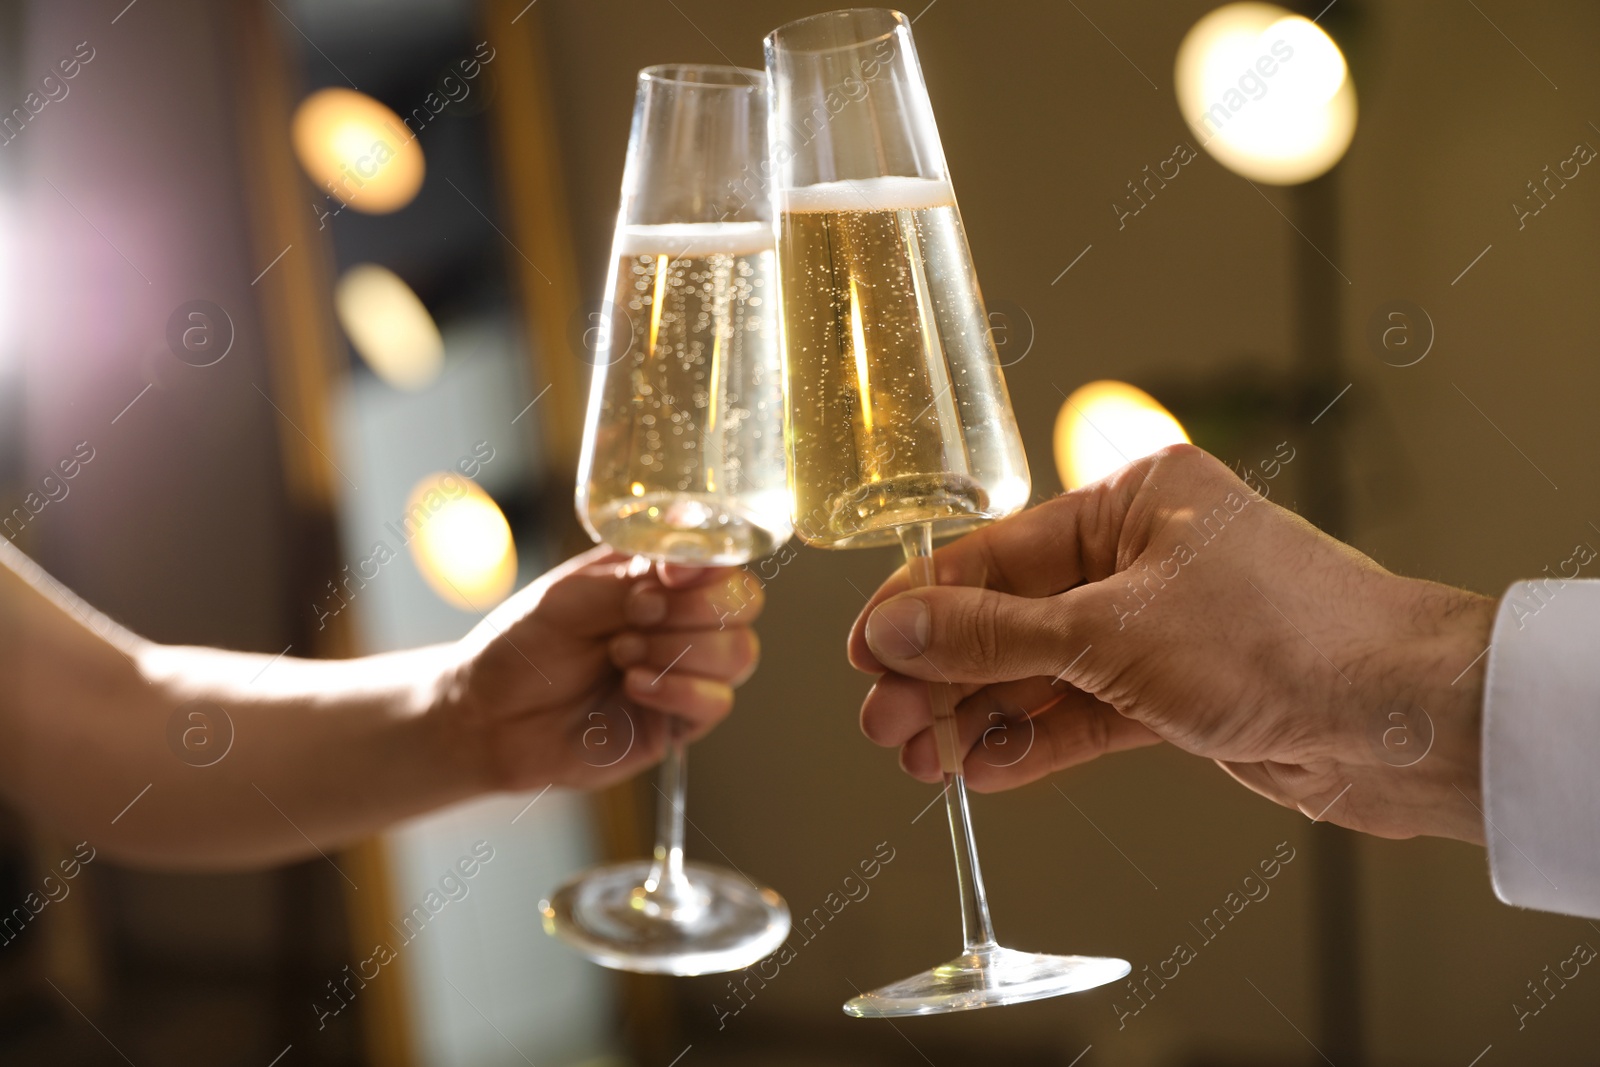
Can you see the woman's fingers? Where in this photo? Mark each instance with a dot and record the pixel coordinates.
(681, 576)
(699, 702)
(728, 600)
(728, 656)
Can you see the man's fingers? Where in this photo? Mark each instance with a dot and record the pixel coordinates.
(1007, 753)
(958, 634)
(898, 707)
(1039, 552)
(723, 655)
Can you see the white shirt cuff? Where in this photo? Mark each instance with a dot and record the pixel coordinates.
(1541, 747)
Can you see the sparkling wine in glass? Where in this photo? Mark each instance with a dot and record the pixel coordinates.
(683, 462)
(899, 425)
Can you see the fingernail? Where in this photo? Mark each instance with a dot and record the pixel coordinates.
(899, 629)
(627, 649)
(919, 761)
(646, 607)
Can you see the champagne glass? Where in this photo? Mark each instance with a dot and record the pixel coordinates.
(899, 425)
(683, 462)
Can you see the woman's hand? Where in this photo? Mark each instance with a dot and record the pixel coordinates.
(575, 679)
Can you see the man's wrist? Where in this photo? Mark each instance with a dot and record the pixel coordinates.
(1424, 729)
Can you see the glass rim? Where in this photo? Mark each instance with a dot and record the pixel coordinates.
(897, 20)
(724, 76)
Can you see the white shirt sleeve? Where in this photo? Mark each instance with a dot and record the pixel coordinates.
(1541, 747)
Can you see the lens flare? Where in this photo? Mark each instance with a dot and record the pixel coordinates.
(388, 326)
(1266, 92)
(1104, 426)
(461, 542)
(357, 150)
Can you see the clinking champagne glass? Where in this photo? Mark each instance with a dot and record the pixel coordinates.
(899, 424)
(683, 462)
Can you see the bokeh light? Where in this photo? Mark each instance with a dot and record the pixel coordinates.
(388, 326)
(1266, 92)
(1104, 426)
(357, 150)
(461, 542)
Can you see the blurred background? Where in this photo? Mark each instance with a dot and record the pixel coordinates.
(265, 380)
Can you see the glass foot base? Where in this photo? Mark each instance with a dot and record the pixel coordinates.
(987, 979)
(722, 924)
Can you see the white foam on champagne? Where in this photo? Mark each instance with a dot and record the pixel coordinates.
(869, 194)
(695, 239)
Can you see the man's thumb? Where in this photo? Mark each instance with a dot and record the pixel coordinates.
(962, 634)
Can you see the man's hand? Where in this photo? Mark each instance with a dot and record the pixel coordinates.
(1171, 602)
(575, 679)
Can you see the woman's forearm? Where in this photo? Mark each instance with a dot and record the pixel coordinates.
(193, 757)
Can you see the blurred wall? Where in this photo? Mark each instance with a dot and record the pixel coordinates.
(132, 205)
(1045, 116)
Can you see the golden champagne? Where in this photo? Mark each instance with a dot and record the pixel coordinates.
(897, 412)
(685, 459)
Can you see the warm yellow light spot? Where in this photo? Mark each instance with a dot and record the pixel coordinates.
(1266, 92)
(1105, 425)
(356, 149)
(858, 342)
(388, 326)
(637, 488)
(655, 301)
(461, 542)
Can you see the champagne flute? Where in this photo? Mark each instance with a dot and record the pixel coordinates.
(899, 424)
(683, 462)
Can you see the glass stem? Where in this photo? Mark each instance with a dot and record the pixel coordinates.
(977, 931)
(666, 883)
